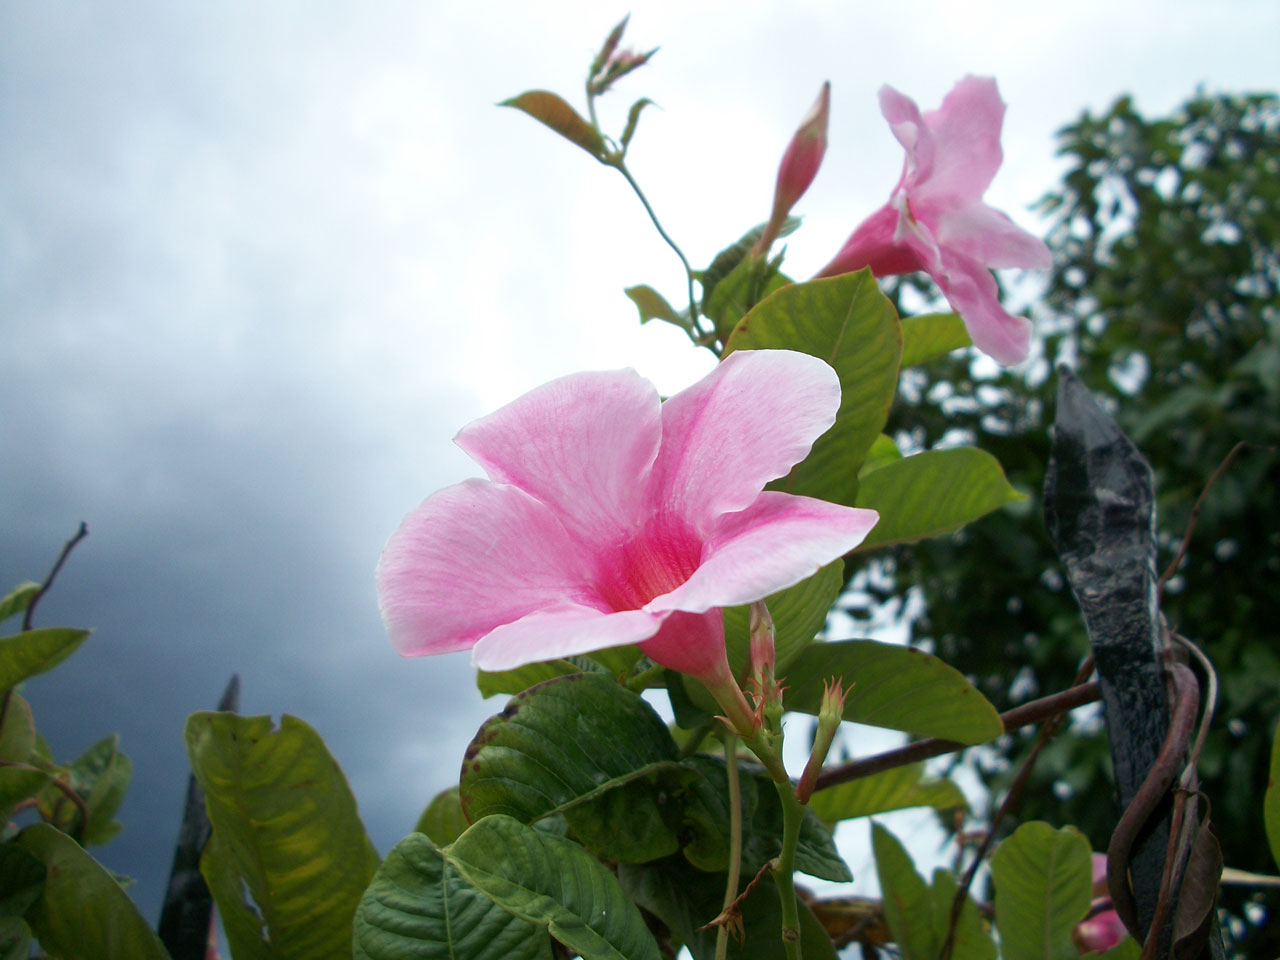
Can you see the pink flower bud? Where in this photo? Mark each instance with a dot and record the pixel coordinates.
(799, 165)
(762, 643)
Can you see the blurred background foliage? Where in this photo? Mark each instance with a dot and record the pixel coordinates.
(1164, 297)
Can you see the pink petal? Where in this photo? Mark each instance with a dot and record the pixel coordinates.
(874, 245)
(564, 629)
(911, 130)
(582, 444)
(776, 542)
(966, 135)
(991, 238)
(972, 291)
(471, 557)
(747, 422)
(691, 643)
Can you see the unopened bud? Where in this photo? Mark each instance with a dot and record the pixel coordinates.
(610, 45)
(830, 715)
(763, 650)
(799, 165)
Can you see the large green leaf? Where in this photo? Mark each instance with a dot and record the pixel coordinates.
(896, 789)
(896, 687)
(285, 828)
(35, 651)
(443, 821)
(558, 744)
(1271, 800)
(83, 913)
(685, 899)
(100, 776)
(552, 111)
(1043, 879)
(746, 285)
(932, 493)
(18, 599)
(908, 903)
(565, 746)
(554, 883)
(728, 259)
(21, 880)
(931, 335)
(972, 939)
(850, 324)
(519, 679)
(419, 906)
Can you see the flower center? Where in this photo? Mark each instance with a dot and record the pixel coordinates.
(657, 561)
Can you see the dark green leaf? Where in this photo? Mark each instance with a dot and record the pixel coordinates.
(18, 599)
(554, 883)
(896, 687)
(443, 821)
(21, 880)
(850, 324)
(896, 789)
(1043, 879)
(931, 335)
(285, 828)
(551, 110)
(685, 899)
(932, 493)
(653, 306)
(83, 914)
(35, 651)
(908, 902)
(561, 743)
(15, 939)
(418, 906)
(522, 678)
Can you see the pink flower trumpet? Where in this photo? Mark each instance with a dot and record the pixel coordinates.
(798, 167)
(935, 220)
(612, 518)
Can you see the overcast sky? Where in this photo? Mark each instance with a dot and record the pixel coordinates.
(260, 261)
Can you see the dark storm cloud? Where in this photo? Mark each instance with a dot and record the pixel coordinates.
(173, 373)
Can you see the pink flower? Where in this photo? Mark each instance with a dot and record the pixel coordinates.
(1104, 929)
(935, 220)
(611, 518)
(799, 166)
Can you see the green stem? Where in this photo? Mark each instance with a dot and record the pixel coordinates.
(696, 333)
(735, 840)
(696, 737)
(643, 679)
(792, 815)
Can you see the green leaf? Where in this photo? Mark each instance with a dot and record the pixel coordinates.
(932, 335)
(972, 939)
(554, 883)
(896, 789)
(21, 880)
(18, 599)
(1271, 800)
(26, 654)
(285, 828)
(17, 731)
(443, 821)
(745, 285)
(522, 678)
(1126, 949)
(1043, 879)
(883, 450)
(728, 259)
(18, 740)
(932, 493)
(816, 852)
(908, 902)
(552, 111)
(685, 899)
(82, 913)
(559, 744)
(900, 688)
(653, 306)
(419, 906)
(798, 613)
(100, 776)
(633, 117)
(850, 324)
(15, 939)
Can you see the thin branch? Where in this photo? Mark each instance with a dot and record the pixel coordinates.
(1195, 515)
(1028, 713)
(48, 581)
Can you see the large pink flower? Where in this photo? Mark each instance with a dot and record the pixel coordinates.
(935, 220)
(612, 518)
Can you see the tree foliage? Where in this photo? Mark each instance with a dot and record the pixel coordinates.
(1165, 296)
